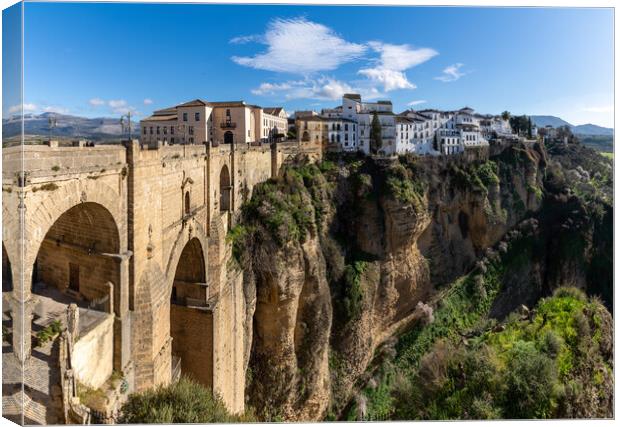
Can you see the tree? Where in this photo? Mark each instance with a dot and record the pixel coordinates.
(185, 401)
(529, 127)
(506, 115)
(376, 143)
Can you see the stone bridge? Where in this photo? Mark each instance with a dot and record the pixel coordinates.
(136, 238)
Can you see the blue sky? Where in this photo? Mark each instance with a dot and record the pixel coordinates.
(104, 59)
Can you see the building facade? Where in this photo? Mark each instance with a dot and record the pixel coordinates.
(199, 121)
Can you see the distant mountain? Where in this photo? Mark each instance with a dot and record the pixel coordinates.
(588, 129)
(591, 129)
(542, 121)
(66, 126)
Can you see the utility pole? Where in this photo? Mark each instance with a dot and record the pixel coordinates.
(51, 120)
(122, 121)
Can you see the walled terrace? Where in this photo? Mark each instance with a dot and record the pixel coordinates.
(125, 247)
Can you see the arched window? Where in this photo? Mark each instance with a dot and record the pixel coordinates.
(187, 205)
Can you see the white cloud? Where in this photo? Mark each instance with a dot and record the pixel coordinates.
(56, 109)
(322, 88)
(599, 109)
(28, 108)
(148, 101)
(117, 103)
(418, 102)
(451, 73)
(392, 62)
(401, 57)
(301, 46)
(244, 39)
(96, 102)
(271, 88)
(390, 79)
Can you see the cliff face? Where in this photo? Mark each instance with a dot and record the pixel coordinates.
(338, 257)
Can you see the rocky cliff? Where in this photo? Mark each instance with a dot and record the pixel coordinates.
(339, 257)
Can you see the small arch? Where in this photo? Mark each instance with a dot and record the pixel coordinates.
(187, 203)
(225, 188)
(228, 137)
(7, 274)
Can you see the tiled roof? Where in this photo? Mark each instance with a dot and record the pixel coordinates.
(160, 118)
(274, 111)
(194, 103)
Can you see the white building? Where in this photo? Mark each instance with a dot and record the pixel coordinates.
(275, 123)
(348, 127)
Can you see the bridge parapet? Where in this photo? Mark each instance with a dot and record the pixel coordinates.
(45, 163)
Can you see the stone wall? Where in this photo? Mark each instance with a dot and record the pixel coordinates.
(91, 358)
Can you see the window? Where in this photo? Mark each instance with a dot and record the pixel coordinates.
(187, 206)
(346, 126)
(172, 140)
(184, 117)
(157, 130)
(197, 117)
(151, 130)
(191, 130)
(338, 137)
(171, 130)
(144, 130)
(346, 137)
(165, 130)
(191, 140)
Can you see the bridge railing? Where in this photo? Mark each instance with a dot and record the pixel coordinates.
(43, 160)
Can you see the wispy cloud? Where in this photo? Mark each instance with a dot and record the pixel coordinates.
(451, 73)
(245, 39)
(302, 47)
(322, 88)
(418, 102)
(147, 101)
(28, 108)
(96, 102)
(55, 109)
(117, 103)
(599, 109)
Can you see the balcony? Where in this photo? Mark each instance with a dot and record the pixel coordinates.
(228, 125)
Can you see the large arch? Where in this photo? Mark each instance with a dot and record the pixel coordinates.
(225, 190)
(74, 255)
(59, 201)
(191, 320)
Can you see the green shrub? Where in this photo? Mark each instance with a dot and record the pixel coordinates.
(353, 291)
(531, 379)
(185, 401)
(49, 332)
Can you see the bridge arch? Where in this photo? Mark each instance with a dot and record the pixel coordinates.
(57, 202)
(191, 318)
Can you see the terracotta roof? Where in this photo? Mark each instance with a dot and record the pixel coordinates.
(194, 103)
(274, 111)
(354, 96)
(160, 118)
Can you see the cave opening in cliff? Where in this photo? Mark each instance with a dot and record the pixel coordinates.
(191, 320)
